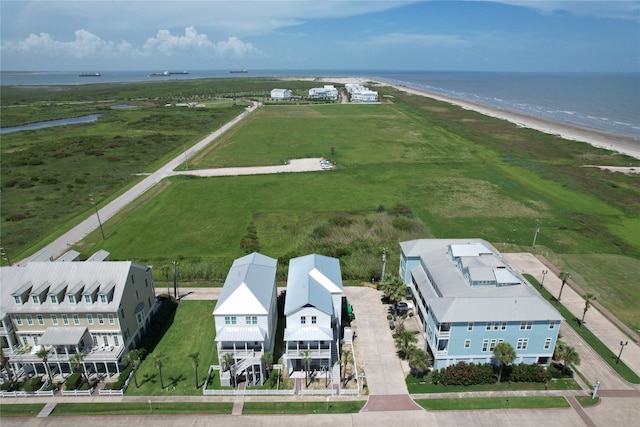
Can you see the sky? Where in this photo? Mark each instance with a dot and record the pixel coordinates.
(454, 35)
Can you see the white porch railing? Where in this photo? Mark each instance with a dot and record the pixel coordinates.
(22, 393)
(78, 392)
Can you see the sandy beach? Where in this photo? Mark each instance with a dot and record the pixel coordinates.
(567, 131)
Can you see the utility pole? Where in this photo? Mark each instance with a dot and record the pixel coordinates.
(535, 236)
(384, 262)
(175, 279)
(186, 164)
(93, 202)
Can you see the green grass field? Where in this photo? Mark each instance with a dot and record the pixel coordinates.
(493, 403)
(461, 174)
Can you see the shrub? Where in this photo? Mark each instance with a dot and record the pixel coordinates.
(73, 381)
(526, 373)
(33, 384)
(465, 374)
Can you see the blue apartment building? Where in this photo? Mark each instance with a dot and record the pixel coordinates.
(468, 299)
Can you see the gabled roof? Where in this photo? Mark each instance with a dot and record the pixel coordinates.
(312, 281)
(308, 333)
(249, 286)
(240, 334)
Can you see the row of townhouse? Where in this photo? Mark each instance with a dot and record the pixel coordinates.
(328, 92)
(246, 315)
(469, 299)
(281, 94)
(99, 308)
(359, 93)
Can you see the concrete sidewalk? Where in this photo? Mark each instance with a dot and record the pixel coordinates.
(601, 327)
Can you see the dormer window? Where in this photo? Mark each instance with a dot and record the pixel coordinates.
(17, 299)
(53, 299)
(72, 299)
(87, 299)
(35, 299)
(103, 299)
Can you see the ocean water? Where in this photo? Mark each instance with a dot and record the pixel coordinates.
(603, 101)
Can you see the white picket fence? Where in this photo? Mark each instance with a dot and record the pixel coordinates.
(21, 393)
(78, 392)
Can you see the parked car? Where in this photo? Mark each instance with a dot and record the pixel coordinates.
(403, 307)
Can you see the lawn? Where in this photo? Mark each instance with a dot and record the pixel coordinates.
(20, 410)
(415, 386)
(141, 408)
(348, 407)
(472, 403)
(173, 350)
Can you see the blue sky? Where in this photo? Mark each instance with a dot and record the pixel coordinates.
(526, 35)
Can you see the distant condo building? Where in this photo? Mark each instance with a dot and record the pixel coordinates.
(360, 93)
(281, 94)
(469, 299)
(328, 92)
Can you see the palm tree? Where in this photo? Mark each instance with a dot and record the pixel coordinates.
(505, 354)
(159, 360)
(394, 289)
(195, 358)
(564, 276)
(569, 357)
(346, 353)
(76, 360)
(132, 358)
(43, 354)
(404, 342)
(419, 362)
(227, 361)
(165, 272)
(267, 359)
(306, 360)
(588, 300)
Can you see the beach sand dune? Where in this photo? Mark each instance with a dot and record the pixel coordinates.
(594, 137)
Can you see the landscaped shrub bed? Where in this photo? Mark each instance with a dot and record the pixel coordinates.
(74, 381)
(33, 384)
(471, 374)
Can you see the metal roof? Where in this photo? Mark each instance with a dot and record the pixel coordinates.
(240, 334)
(312, 280)
(67, 335)
(308, 333)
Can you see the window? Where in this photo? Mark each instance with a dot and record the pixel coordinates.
(100, 319)
(76, 319)
(137, 296)
(87, 299)
(493, 344)
(116, 341)
(35, 299)
(252, 320)
(17, 299)
(132, 279)
(95, 340)
(35, 340)
(72, 299)
(18, 320)
(29, 319)
(303, 320)
(488, 328)
(526, 326)
(103, 299)
(314, 320)
(112, 320)
(105, 340)
(146, 282)
(40, 319)
(65, 319)
(54, 319)
(229, 320)
(140, 318)
(470, 326)
(552, 325)
(503, 326)
(485, 345)
(90, 319)
(522, 343)
(25, 341)
(547, 344)
(53, 299)
(467, 343)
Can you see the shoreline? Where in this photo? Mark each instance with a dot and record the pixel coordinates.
(568, 131)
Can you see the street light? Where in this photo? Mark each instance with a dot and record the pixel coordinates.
(535, 236)
(384, 262)
(596, 386)
(93, 202)
(544, 274)
(622, 345)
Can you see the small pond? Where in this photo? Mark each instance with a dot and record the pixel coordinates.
(51, 123)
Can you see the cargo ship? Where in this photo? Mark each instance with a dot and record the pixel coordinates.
(94, 74)
(238, 71)
(167, 73)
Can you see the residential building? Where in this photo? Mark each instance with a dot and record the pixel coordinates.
(101, 309)
(360, 93)
(313, 310)
(469, 299)
(281, 94)
(246, 317)
(328, 92)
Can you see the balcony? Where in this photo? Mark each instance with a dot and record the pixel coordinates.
(314, 353)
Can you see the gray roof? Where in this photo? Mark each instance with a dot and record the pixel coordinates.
(308, 333)
(452, 299)
(58, 276)
(311, 281)
(67, 335)
(240, 334)
(257, 273)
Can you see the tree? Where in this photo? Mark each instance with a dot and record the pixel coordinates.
(43, 354)
(504, 354)
(195, 358)
(165, 272)
(132, 359)
(394, 289)
(569, 356)
(306, 360)
(346, 354)
(588, 300)
(159, 360)
(564, 276)
(267, 359)
(76, 360)
(227, 360)
(4, 362)
(419, 362)
(404, 342)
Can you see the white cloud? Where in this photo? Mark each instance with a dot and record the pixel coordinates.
(84, 45)
(168, 44)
